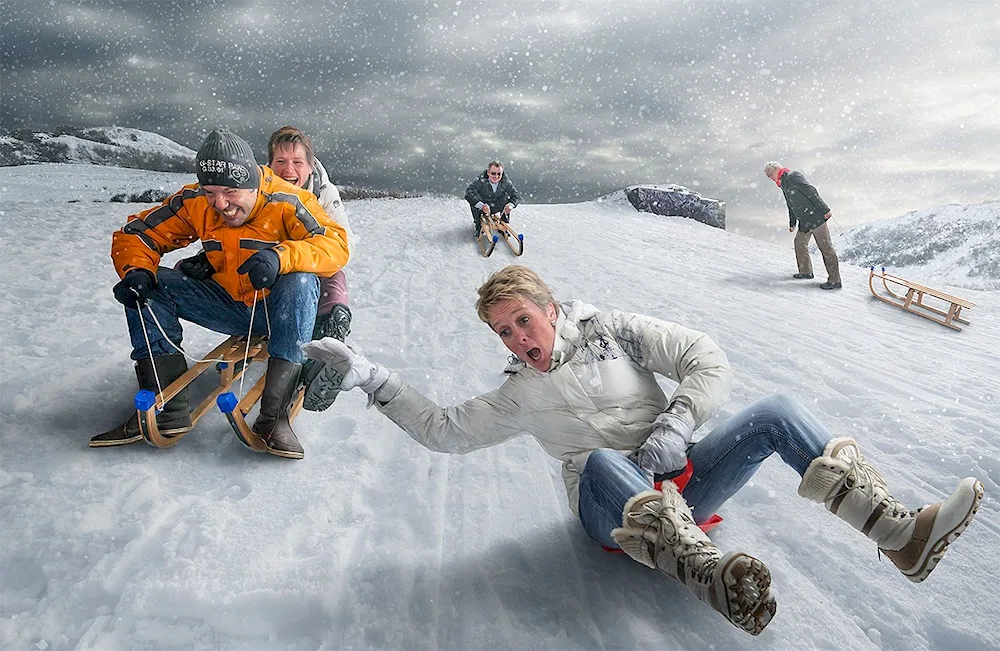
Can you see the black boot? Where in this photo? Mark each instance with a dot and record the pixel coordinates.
(319, 384)
(176, 415)
(336, 323)
(272, 424)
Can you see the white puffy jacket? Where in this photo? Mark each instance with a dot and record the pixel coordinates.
(329, 197)
(600, 391)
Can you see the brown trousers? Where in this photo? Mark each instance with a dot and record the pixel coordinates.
(825, 244)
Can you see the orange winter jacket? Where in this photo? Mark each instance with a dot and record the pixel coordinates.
(285, 219)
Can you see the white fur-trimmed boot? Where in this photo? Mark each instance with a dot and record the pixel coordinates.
(658, 531)
(853, 490)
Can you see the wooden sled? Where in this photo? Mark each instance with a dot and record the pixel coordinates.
(493, 229)
(912, 299)
(232, 352)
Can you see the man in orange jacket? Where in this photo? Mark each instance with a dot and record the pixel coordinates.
(268, 241)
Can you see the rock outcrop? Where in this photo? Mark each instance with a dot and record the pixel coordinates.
(678, 201)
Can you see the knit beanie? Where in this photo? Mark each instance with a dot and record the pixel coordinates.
(226, 159)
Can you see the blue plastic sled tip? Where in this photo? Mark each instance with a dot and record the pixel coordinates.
(144, 399)
(227, 402)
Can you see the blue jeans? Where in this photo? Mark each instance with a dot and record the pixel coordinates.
(723, 461)
(291, 307)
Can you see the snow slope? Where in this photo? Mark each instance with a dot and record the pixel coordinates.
(372, 542)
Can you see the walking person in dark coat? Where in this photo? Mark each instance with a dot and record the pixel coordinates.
(810, 213)
(492, 193)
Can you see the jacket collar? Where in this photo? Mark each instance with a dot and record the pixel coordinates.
(568, 336)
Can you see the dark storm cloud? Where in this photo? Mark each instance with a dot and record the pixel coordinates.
(886, 106)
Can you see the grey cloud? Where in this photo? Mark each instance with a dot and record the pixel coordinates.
(881, 104)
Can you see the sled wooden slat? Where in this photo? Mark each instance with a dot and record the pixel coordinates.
(232, 350)
(494, 229)
(912, 296)
(508, 235)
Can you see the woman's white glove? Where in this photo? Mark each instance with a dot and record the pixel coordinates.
(665, 451)
(355, 368)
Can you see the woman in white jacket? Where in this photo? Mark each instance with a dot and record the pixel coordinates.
(290, 153)
(587, 392)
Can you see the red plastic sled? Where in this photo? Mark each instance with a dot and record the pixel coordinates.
(681, 481)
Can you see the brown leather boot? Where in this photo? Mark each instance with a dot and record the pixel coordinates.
(272, 424)
(176, 415)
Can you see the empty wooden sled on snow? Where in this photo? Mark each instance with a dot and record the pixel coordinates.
(228, 359)
(912, 298)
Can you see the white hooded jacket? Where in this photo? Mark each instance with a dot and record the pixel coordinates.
(600, 392)
(329, 197)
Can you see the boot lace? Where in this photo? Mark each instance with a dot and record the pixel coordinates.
(697, 557)
(866, 478)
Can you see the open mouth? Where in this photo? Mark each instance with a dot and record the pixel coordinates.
(535, 354)
(294, 180)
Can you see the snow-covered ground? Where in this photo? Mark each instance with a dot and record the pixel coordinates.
(372, 542)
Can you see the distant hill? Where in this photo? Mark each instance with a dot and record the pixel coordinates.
(128, 148)
(955, 244)
(114, 146)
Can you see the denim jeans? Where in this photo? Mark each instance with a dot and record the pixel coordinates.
(723, 462)
(291, 309)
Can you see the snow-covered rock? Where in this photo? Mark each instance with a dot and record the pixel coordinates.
(678, 201)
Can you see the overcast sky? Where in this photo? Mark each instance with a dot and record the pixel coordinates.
(885, 106)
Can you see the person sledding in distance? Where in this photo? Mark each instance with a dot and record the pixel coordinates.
(267, 240)
(588, 393)
(492, 193)
(292, 156)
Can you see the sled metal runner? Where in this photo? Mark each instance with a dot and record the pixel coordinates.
(912, 296)
(493, 230)
(232, 352)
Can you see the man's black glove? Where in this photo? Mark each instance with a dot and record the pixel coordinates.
(135, 288)
(197, 267)
(262, 268)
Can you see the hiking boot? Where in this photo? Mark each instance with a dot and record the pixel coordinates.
(272, 424)
(173, 419)
(855, 492)
(335, 323)
(322, 384)
(321, 388)
(829, 286)
(659, 532)
(802, 276)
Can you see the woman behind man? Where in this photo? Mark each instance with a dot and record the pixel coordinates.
(587, 392)
(291, 155)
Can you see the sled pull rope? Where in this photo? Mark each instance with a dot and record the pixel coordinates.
(149, 350)
(843, 233)
(149, 347)
(177, 348)
(246, 353)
